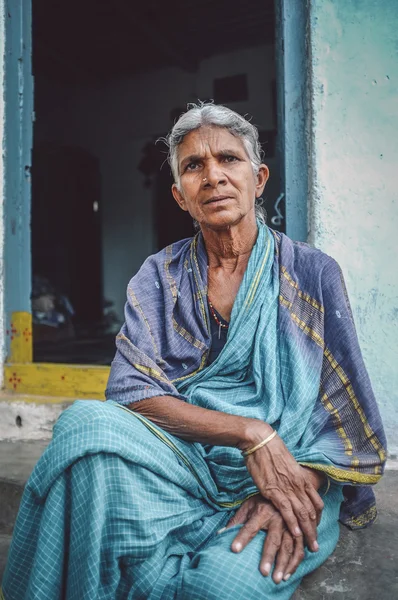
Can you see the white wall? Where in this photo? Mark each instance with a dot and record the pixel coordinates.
(354, 202)
(114, 121)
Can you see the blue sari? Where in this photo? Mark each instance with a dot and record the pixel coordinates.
(292, 356)
(118, 508)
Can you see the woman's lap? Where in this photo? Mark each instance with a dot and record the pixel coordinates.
(106, 523)
(216, 572)
(139, 529)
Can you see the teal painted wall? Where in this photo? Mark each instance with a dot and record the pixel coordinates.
(353, 210)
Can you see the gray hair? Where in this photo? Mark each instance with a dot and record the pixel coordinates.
(214, 115)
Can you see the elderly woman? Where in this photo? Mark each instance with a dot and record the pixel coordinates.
(240, 422)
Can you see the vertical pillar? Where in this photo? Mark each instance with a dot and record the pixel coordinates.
(291, 27)
(17, 143)
(2, 190)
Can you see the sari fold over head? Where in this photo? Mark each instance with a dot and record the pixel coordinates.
(291, 359)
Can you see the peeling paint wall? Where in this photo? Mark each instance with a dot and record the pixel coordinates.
(353, 210)
(2, 134)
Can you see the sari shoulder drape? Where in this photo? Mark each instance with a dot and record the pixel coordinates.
(314, 301)
(318, 370)
(163, 338)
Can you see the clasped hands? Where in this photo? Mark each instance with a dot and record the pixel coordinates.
(288, 507)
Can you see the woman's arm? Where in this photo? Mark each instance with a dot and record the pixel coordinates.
(196, 424)
(277, 475)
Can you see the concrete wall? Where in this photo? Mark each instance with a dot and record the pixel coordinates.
(353, 211)
(2, 136)
(115, 120)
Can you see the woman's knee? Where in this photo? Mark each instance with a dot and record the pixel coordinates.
(217, 572)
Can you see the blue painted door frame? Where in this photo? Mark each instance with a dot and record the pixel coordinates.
(292, 30)
(18, 150)
(292, 61)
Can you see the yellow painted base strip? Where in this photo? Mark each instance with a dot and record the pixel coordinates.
(19, 331)
(52, 379)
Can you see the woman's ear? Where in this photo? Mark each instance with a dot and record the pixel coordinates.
(262, 178)
(178, 197)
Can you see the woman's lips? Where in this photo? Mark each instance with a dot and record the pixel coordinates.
(217, 199)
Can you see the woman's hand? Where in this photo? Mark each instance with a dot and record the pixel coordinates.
(290, 488)
(275, 472)
(258, 514)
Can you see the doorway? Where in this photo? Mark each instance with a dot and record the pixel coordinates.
(110, 79)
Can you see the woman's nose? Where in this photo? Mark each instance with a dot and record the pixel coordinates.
(213, 175)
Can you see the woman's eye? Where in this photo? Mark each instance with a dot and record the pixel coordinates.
(230, 158)
(191, 166)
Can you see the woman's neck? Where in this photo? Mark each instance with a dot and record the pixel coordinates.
(230, 248)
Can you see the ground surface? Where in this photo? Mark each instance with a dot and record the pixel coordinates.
(363, 567)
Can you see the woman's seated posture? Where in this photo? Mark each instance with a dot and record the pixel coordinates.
(240, 423)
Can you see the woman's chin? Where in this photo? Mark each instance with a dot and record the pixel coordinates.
(222, 219)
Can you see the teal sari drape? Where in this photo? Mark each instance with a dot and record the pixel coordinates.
(117, 508)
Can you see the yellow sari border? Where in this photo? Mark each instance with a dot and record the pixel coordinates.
(343, 476)
(338, 425)
(150, 372)
(295, 300)
(256, 280)
(138, 307)
(355, 403)
(369, 516)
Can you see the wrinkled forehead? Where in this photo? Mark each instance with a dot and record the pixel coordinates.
(209, 140)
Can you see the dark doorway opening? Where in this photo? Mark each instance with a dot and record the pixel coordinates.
(110, 79)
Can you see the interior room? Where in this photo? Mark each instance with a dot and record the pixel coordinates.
(110, 79)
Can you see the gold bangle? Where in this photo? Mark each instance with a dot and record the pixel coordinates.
(260, 445)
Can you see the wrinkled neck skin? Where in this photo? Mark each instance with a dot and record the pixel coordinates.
(230, 247)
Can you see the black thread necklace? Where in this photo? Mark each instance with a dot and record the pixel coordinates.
(217, 320)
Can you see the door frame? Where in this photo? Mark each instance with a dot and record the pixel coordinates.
(293, 101)
(21, 374)
(59, 381)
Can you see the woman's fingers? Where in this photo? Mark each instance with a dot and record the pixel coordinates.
(298, 512)
(240, 516)
(307, 517)
(282, 502)
(284, 557)
(316, 500)
(285, 483)
(280, 547)
(271, 545)
(247, 532)
(296, 558)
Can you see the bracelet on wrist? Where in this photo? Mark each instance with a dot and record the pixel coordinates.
(260, 445)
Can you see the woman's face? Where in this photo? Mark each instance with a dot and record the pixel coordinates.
(217, 184)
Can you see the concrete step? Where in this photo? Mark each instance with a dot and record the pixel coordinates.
(363, 567)
(17, 460)
(5, 541)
